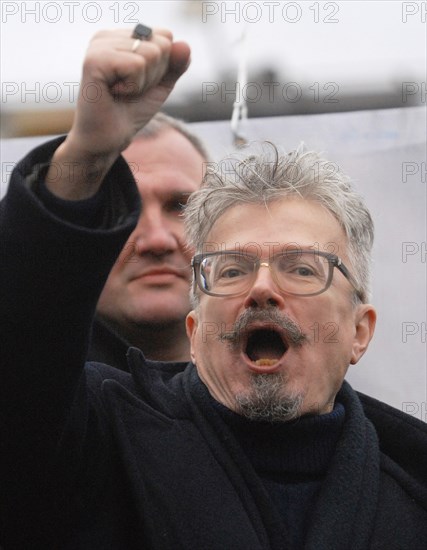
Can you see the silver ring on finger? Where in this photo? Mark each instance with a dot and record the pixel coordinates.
(140, 32)
(136, 44)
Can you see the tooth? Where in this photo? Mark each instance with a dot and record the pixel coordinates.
(266, 362)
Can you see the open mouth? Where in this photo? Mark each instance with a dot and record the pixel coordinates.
(265, 347)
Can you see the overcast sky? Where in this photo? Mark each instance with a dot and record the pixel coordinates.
(358, 44)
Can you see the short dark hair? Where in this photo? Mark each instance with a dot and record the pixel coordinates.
(161, 122)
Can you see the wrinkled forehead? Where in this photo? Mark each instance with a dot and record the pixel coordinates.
(267, 229)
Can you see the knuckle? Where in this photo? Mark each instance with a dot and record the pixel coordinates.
(165, 33)
(152, 53)
(90, 62)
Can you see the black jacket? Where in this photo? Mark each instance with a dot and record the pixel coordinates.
(107, 346)
(99, 458)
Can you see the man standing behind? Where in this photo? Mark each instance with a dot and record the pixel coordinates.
(146, 297)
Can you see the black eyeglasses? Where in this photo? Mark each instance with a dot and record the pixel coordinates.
(296, 272)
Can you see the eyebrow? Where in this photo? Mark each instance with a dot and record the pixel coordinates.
(177, 195)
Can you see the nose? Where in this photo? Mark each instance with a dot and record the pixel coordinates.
(154, 235)
(264, 291)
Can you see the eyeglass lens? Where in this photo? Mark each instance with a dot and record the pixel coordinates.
(300, 272)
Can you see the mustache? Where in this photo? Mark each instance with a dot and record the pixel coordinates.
(272, 319)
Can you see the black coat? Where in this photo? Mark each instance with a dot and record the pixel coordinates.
(100, 458)
(107, 346)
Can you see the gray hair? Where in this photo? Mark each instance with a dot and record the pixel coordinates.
(161, 122)
(270, 176)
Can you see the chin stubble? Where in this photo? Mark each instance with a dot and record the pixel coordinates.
(267, 399)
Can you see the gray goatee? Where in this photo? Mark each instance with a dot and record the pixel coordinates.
(267, 399)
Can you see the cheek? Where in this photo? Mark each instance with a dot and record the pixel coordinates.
(208, 334)
(214, 319)
(204, 345)
(326, 319)
(188, 255)
(329, 329)
(332, 349)
(113, 279)
(127, 256)
(177, 228)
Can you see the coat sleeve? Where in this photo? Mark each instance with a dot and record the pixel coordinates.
(51, 274)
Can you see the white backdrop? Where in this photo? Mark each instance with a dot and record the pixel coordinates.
(385, 153)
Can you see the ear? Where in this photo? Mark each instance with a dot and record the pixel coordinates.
(191, 324)
(365, 319)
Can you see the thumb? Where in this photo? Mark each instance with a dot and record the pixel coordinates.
(179, 61)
